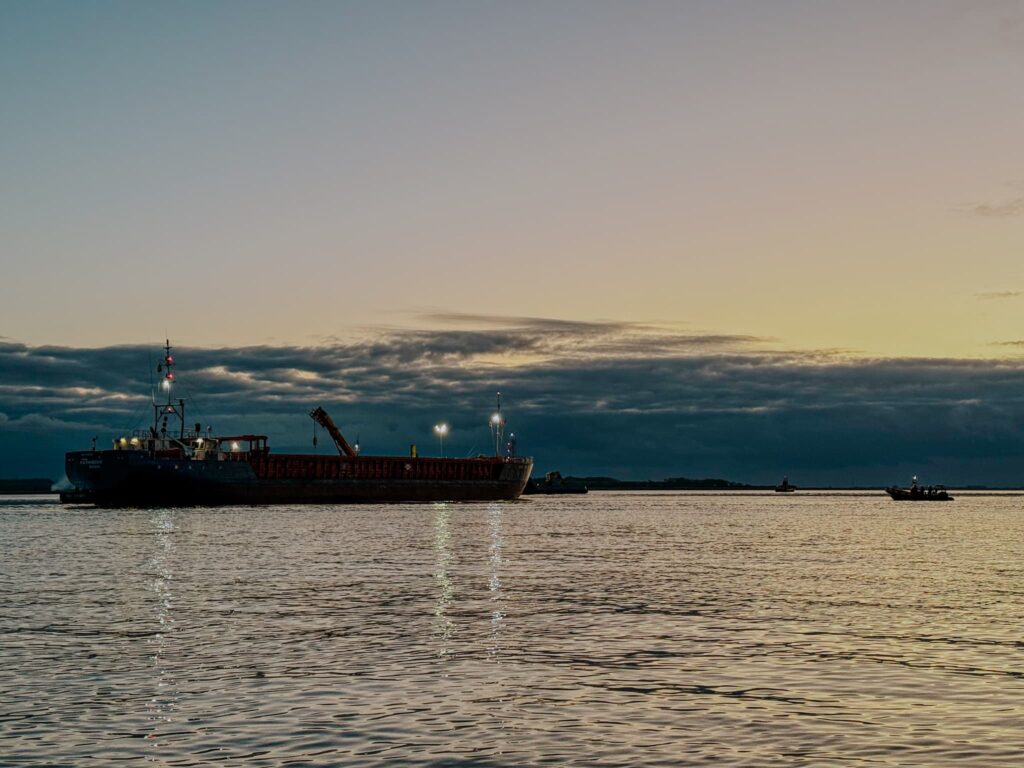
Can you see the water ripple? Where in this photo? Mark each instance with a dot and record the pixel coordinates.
(621, 629)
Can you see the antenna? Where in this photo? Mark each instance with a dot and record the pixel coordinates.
(170, 407)
(168, 365)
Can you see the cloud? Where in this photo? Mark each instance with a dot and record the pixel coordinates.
(38, 422)
(536, 323)
(995, 295)
(1005, 209)
(1008, 207)
(601, 398)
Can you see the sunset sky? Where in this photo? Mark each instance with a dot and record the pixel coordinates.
(829, 189)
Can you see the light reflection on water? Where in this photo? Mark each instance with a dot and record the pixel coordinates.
(626, 629)
(445, 589)
(165, 694)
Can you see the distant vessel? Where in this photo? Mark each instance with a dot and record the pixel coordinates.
(918, 492)
(785, 486)
(173, 466)
(554, 483)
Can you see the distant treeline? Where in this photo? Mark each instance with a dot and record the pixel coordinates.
(26, 485)
(716, 484)
(668, 484)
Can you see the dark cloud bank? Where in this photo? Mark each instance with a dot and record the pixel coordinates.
(632, 401)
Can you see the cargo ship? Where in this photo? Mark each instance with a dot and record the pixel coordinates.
(171, 465)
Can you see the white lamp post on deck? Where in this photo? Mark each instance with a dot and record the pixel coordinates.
(441, 430)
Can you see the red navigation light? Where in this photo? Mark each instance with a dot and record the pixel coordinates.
(170, 376)
(169, 359)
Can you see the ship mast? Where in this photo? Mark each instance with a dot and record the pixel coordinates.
(163, 411)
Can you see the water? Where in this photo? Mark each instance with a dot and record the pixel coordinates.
(626, 629)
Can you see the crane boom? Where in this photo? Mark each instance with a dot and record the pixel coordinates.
(321, 417)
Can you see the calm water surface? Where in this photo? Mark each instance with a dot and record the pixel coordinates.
(636, 629)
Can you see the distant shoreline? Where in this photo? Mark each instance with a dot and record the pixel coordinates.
(717, 484)
(28, 485)
(43, 486)
(806, 490)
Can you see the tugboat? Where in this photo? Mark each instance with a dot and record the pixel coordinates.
(554, 483)
(785, 486)
(170, 465)
(918, 492)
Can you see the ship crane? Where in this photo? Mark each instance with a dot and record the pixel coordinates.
(321, 417)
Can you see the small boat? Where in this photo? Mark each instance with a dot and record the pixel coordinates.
(554, 483)
(785, 486)
(918, 492)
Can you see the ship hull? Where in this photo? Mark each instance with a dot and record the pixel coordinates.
(901, 494)
(138, 479)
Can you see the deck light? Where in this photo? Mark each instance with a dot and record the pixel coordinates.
(441, 430)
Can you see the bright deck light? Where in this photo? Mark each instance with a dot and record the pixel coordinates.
(441, 430)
